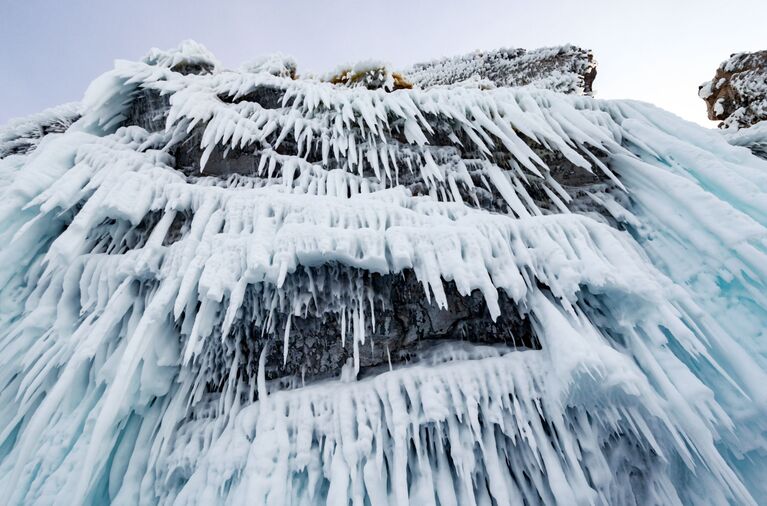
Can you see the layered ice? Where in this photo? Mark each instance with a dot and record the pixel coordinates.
(150, 269)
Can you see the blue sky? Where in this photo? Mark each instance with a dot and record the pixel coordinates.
(657, 51)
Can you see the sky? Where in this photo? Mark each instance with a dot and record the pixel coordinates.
(655, 51)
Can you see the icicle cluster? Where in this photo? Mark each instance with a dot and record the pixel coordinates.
(154, 259)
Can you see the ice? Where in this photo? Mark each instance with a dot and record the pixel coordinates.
(22, 135)
(276, 64)
(126, 280)
(189, 52)
(753, 138)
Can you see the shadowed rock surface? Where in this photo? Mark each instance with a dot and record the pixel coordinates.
(406, 324)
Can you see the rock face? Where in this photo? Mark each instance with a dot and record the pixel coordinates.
(737, 95)
(402, 326)
(565, 69)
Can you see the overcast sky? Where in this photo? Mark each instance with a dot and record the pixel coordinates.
(656, 51)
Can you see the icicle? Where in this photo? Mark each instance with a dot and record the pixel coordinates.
(261, 381)
(286, 340)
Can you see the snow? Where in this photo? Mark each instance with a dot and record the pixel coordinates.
(753, 138)
(562, 69)
(276, 64)
(189, 52)
(719, 107)
(369, 73)
(123, 281)
(22, 135)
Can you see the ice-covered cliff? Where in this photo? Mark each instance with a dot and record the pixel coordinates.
(22, 135)
(244, 287)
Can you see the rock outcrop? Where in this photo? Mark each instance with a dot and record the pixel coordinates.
(565, 69)
(737, 95)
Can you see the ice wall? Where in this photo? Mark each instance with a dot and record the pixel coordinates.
(161, 263)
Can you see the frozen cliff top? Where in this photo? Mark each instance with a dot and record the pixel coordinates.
(22, 134)
(737, 95)
(565, 69)
(248, 287)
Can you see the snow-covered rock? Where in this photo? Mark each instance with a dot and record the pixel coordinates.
(223, 287)
(737, 95)
(565, 69)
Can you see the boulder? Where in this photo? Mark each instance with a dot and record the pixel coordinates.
(737, 95)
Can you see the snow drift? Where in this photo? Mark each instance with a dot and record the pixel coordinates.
(250, 288)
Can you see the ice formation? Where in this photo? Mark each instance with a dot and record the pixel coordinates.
(223, 287)
(22, 135)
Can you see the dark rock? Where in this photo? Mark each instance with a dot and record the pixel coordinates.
(197, 68)
(266, 96)
(148, 110)
(406, 324)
